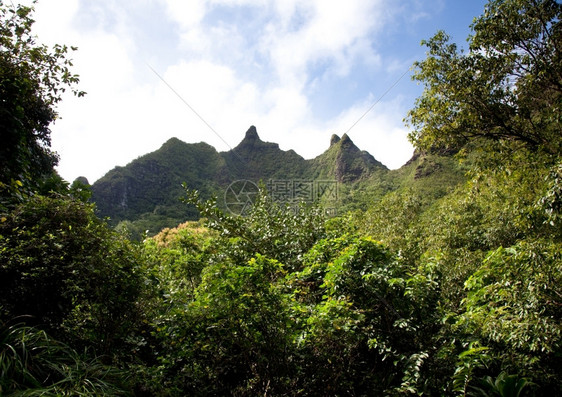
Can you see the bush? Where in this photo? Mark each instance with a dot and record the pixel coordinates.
(65, 269)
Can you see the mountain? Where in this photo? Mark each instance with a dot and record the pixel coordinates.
(145, 194)
(151, 185)
(255, 160)
(344, 162)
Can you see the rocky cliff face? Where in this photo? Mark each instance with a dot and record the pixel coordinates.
(353, 164)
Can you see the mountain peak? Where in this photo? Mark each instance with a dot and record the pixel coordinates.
(172, 141)
(251, 142)
(348, 163)
(345, 139)
(347, 145)
(334, 139)
(252, 134)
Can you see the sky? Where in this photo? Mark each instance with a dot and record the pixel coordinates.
(205, 71)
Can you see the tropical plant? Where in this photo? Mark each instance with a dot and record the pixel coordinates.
(32, 363)
(32, 80)
(72, 275)
(278, 231)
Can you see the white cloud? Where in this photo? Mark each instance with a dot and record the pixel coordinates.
(290, 35)
(376, 132)
(94, 133)
(55, 19)
(216, 95)
(326, 31)
(188, 14)
(383, 137)
(258, 69)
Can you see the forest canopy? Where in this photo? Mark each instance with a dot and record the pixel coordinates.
(452, 293)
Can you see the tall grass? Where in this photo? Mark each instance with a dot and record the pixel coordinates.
(34, 364)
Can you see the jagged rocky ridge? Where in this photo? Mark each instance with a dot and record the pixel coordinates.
(149, 187)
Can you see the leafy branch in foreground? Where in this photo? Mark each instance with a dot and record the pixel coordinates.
(69, 273)
(269, 229)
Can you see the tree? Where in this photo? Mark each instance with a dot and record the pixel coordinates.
(32, 80)
(235, 337)
(279, 232)
(74, 277)
(507, 87)
(366, 321)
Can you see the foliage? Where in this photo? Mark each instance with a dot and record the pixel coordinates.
(71, 273)
(353, 318)
(507, 86)
(513, 304)
(551, 202)
(344, 162)
(315, 319)
(234, 338)
(32, 80)
(367, 321)
(404, 207)
(144, 194)
(277, 231)
(34, 364)
(255, 160)
(173, 261)
(147, 191)
(504, 385)
(447, 284)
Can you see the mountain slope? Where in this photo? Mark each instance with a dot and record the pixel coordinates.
(255, 160)
(145, 193)
(152, 183)
(344, 162)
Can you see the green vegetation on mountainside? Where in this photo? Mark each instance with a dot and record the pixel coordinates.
(344, 162)
(150, 187)
(255, 160)
(144, 195)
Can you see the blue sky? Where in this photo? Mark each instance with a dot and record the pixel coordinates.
(299, 71)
